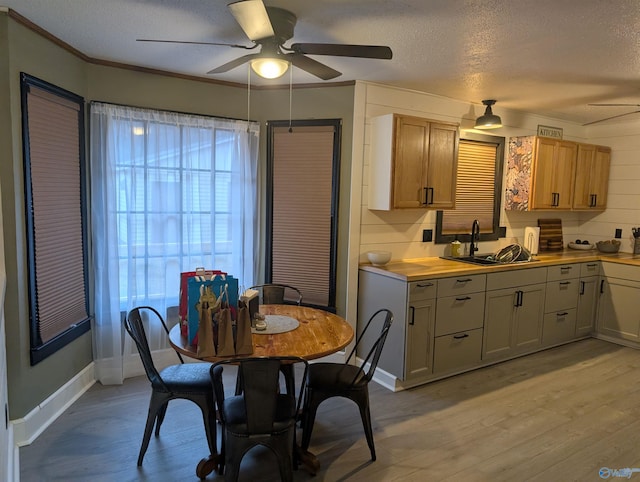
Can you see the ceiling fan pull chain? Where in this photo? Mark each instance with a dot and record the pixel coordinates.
(248, 96)
(290, 96)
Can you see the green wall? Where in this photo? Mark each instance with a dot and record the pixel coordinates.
(23, 50)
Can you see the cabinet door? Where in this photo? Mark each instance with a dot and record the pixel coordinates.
(529, 317)
(587, 304)
(419, 343)
(565, 169)
(499, 313)
(553, 174)
(619, 309)
(442, 166)
(600, 177)
(592, 177)
(409, 169)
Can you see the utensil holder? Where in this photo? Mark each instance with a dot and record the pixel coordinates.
(636, 245)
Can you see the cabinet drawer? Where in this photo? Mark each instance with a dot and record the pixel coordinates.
(561, 295)
(563, 271)
(589, 269)
(422, 290)
(519, 277)
(559, 327)
(461, 285)
(459, 313)
(456, 351)
(622, 271)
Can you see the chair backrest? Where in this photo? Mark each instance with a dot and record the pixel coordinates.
(261, 389)
(376, 349)
(278, 294)
(135, 327)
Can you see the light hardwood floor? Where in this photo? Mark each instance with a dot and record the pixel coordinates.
(558, 415)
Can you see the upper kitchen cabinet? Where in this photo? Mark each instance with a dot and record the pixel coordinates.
(548, 174)
(413, 163)
(540, 173)
(592, 177)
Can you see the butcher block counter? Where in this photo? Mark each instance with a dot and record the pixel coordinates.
(434, 267)
(452, 316)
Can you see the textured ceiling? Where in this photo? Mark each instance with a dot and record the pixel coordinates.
(550, 57)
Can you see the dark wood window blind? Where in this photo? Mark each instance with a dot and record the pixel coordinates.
(474, 188)
(53, 127)
(303, 203)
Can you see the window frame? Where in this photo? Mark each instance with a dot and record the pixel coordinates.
(40, 350)
(496, 231)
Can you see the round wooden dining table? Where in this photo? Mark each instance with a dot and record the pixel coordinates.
(318, 334)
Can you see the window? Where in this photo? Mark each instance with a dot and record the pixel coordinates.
(54, 171)
(302, 192)
(170, 192)
(478, 191)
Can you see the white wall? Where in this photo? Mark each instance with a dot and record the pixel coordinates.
(400, 231)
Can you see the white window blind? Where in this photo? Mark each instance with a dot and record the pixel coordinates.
(55, 205)
(302, 214)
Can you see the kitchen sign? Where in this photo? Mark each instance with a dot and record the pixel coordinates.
(547, 131)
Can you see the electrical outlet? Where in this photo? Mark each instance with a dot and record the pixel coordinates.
(427, 235)
(618, 233)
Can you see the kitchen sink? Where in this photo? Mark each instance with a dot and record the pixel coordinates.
(484, 259)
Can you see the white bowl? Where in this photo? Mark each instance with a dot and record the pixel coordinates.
(379, 258)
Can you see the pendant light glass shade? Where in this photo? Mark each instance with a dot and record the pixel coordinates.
(488, 120)
(269, 68)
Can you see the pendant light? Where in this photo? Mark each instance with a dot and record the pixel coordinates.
(488, 120)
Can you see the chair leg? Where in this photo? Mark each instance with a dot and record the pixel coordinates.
(155, 406)
(309, 418)
(160, 417)
(362, 399)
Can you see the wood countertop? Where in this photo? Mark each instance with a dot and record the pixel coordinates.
(434, 267)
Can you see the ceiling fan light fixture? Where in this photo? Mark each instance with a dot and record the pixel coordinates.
(488, 120)
(269, 67)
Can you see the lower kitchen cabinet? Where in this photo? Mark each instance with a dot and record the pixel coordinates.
(408, 350)
(587, 305)
(561, 301)
(513, 316)
(420, 329)
(457, 351)
(619, 304)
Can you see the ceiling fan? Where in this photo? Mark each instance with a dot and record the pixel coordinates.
(269, 28)
(615, 116)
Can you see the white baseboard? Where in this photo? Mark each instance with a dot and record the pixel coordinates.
(27, 429)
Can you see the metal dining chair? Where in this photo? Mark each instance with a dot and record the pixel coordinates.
(190, 381)
(328, 380)
(278, 294)
(261, 415)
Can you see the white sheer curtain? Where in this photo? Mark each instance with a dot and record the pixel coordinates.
(169, 192)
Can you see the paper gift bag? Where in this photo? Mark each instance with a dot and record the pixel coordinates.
(207, 306)
(244, 343)
(182, 303)
(218, 284)
(225, 332)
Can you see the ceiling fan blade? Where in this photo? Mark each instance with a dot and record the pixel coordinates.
(196, 43)
(612, 117)
(253, 18)
(616, 105)
(344, 50)
(313, 67)
(233, 64)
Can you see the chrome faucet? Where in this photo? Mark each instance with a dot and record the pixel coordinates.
(475, 237)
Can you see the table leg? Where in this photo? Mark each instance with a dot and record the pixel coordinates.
(207, 465)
